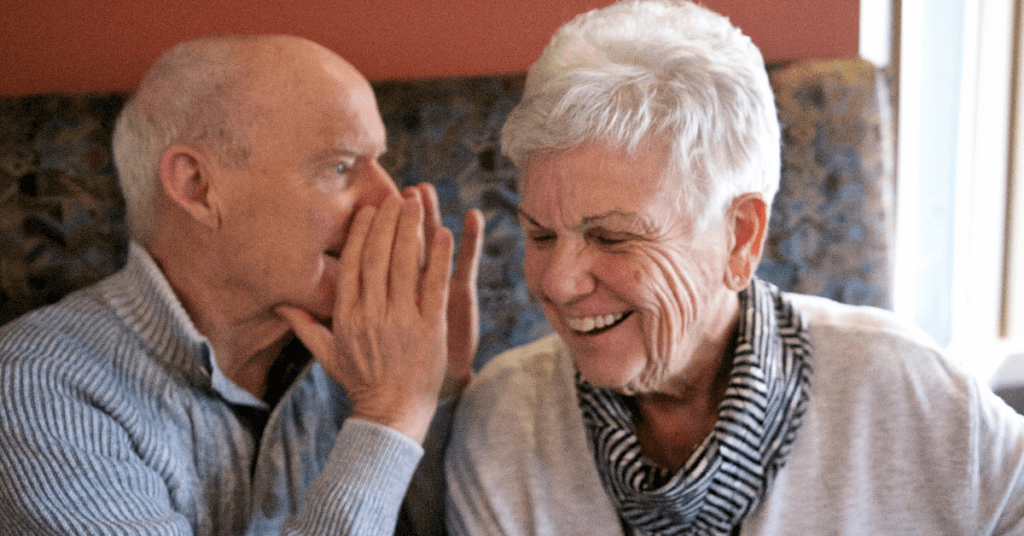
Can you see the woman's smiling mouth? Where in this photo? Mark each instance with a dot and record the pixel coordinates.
(592, 325)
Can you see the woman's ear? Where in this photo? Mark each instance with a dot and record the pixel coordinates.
(748, 221)
(186, 179)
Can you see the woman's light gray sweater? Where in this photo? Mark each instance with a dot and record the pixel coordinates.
(897, 440)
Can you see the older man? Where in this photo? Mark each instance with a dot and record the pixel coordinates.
(174, 396)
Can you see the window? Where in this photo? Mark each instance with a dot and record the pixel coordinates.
(959, 264)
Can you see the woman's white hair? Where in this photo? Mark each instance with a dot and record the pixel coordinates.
(657, 71)
(190, 96)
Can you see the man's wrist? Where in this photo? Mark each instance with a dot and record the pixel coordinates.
(412, 421)
(454, 385)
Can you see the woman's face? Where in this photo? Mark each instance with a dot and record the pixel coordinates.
(637, 295)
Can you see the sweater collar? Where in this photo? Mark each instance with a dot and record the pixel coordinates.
(144, 300)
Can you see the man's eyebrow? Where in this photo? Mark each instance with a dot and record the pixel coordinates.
(350, 151)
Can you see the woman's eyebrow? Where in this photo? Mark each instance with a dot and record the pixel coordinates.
(527, 217)
(630, 218)
(626, 217)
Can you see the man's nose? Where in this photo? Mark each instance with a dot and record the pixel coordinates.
(378, 186)
(568, 273)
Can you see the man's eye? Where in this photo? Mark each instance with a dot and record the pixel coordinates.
(343, 168)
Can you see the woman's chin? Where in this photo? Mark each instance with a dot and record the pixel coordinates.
(609, 373)
(627, 376)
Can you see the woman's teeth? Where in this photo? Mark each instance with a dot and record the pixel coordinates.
(593, 323)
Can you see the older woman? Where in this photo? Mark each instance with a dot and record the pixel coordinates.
(681, 395)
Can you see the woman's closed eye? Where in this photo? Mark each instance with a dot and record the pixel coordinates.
(540, 236)
(608, 238)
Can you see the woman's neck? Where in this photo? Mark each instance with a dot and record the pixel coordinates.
(671, 427)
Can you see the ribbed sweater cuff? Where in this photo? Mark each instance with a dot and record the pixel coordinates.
(364, 482)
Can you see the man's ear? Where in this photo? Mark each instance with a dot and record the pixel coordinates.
(185, 175)
(748, 220)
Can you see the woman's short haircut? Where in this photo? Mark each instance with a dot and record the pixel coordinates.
(663, 71)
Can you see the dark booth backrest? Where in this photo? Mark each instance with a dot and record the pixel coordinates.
(62, 217)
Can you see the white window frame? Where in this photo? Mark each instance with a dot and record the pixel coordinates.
(987, 269)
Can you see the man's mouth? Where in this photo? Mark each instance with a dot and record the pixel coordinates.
(593, 325)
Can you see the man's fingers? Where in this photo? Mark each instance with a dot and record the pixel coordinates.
(463, 310)
(314, 335)
(431, 215)
(376, 263)
(467, 266)
(348, 288)
(431, 208)
(405, 263)
(436, 279)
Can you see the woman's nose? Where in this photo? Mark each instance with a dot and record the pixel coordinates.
(567, 274)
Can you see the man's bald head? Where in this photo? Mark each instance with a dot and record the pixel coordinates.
(207, 92)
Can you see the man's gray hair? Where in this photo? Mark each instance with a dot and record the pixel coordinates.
(661, 71)
(190, 96)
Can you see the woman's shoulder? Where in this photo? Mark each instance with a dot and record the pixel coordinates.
(532, 376)
(829, 321)
(534, 361)
(865, 355)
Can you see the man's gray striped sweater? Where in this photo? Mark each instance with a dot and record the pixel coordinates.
(115, 420)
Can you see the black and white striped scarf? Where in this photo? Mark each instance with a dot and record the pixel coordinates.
(730, 472)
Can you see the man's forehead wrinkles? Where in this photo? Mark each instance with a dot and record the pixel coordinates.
(347, 150)
(354, 148)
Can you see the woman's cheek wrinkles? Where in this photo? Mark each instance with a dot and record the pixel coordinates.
(675, 294)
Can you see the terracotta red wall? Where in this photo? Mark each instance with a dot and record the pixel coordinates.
(104, 45)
